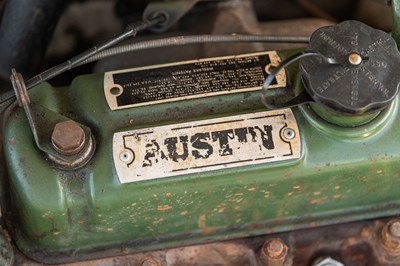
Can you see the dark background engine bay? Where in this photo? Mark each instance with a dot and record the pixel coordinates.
(35, 36)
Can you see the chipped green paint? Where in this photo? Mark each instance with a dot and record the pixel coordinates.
(343, 175)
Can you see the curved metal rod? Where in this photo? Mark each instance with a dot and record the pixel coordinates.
(98, 53)
(194, 39)
(130, 31)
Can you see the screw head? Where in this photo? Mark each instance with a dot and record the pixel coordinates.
(68, 137)
(126, 156)
(355, 59)
(289, 133)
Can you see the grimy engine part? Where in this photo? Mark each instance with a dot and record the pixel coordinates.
(185, 153)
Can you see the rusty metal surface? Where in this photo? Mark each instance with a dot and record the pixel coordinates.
(391, 236)
(352, 244)
(274, 252)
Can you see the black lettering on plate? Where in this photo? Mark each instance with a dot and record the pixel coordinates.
(191, 79)
(223, 138)
(266, 136)
(153, 154)
(203, 148)
(172, 147)
(241, 134)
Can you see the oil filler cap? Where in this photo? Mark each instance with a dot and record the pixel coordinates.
(365, 77)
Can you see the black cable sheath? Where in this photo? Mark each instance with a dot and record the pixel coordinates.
(288, 61)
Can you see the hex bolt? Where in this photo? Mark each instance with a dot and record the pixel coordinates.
(273, 252)
(391, 235)
(68, 138)
(150, 261)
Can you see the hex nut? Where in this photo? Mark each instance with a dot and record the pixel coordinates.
(328, 261)
(68, 138)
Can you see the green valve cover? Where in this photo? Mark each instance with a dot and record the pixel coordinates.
(186, 153)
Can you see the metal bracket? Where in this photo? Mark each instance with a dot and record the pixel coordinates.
(42, 121)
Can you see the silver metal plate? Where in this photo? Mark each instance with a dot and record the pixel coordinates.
(190, 79)
(206, 145)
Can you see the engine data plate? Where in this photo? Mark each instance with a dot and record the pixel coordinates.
(206, 145)
(190, 79)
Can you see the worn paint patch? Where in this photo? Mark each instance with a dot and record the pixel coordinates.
(202, 225)
(163, 208)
